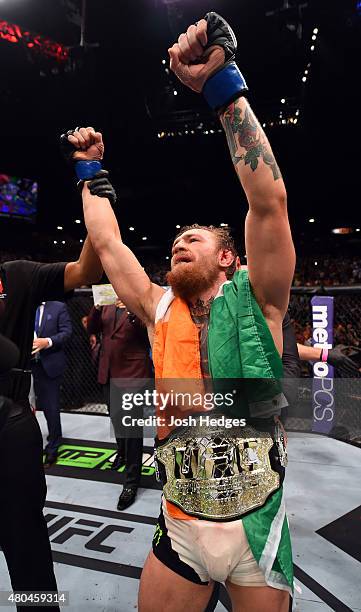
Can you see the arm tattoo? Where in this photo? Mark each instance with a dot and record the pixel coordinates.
(247, 134)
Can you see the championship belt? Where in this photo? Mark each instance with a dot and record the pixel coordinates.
(217, 473)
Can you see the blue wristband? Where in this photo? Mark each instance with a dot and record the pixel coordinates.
(224, 86)
(86, 170)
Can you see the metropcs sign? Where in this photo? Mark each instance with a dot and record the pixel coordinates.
(323, 398)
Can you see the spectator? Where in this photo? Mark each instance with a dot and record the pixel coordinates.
(124, 353)
(52, 329)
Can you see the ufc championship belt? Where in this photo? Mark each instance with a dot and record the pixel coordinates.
(218, 473)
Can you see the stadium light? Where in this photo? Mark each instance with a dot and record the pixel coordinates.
(311, 220)
(77, 221)
(59, 227)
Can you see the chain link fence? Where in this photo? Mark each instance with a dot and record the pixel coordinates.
(80, 388)
(81, 391)
(347, 336)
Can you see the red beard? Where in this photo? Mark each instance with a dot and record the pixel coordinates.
(189, 280)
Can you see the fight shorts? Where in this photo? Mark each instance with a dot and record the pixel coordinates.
(201, 550)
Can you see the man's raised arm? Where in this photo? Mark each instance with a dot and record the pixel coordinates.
(130, 282)
(86, 271)
(203, 60)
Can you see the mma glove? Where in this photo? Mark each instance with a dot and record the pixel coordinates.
(102, 187)
(88, 170)
(337, 359)
(227, 83)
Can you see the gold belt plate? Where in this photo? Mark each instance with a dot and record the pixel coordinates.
(218, 475)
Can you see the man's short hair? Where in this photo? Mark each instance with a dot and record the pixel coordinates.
(224, 239)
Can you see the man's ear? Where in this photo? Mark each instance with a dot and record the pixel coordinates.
(225, 258)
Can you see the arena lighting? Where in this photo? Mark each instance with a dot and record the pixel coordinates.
(35, 42)
(144, 238)
(223, 224)
(131, 228)
(175, 93)
(167, 256)
(77, 221)
(304, 79)
(342, 230)
(55, 242)
(315, 263)
(358, 229)
(164, 62)
(178, 226)
(63, 242)
(315, 30)
(59, 227)
(311, 220)
(283, 101)
(81, 240)
(312, 47)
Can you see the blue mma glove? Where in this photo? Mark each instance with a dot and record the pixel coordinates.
(228, 83)
(85, 169)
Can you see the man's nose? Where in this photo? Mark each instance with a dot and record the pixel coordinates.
(178, 247)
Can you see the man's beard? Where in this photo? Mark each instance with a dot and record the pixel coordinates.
(189, 280)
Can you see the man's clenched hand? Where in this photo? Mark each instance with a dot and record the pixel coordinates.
(190, 62)
(88, 144)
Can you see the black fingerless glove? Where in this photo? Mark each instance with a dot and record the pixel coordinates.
(102, 187)
(337, 359)
(84, 169)
(66, 148)
(227, 83)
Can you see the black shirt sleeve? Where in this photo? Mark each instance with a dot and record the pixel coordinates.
(290, 358)
(291, 362)
(48, 281)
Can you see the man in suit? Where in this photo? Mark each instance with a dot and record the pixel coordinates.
(124, 353)
(52, 329)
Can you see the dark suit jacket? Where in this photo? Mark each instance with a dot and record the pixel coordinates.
(56, 325)
(124, 351)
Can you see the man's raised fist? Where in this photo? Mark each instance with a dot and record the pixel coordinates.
(82, 144)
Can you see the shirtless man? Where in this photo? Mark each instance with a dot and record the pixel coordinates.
(189, 553)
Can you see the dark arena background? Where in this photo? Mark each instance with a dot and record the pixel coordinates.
(104, 63)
